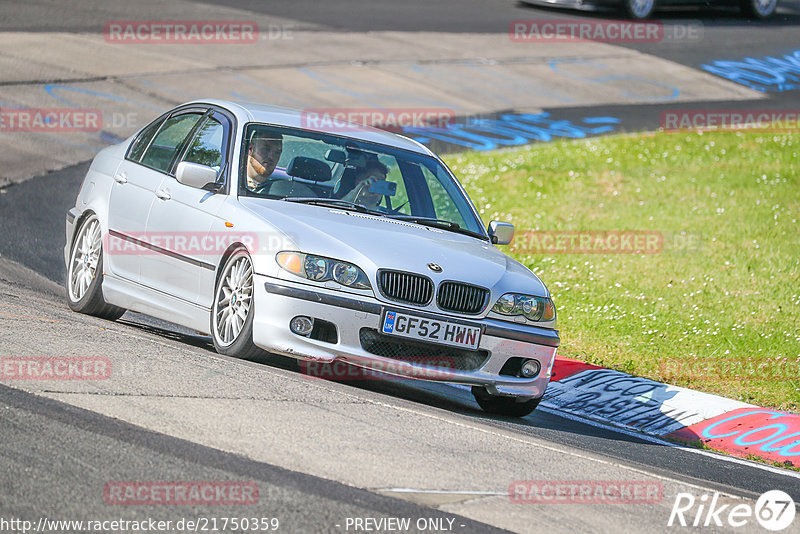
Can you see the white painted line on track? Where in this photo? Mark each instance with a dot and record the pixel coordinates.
(659, 441)
(653, 439)
(656, 440)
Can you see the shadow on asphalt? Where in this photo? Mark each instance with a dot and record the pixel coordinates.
(36, 210)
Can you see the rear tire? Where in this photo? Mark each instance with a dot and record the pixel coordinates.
(499, 405)
(85, 273)
(639, 9)
(758, 9)
(233, 309)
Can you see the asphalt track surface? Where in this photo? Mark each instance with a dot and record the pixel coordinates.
(45, 444)
(726, 36)
(37, 245)
(53, 442)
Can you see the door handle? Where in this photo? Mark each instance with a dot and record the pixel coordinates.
(121, 177)
(163, 194)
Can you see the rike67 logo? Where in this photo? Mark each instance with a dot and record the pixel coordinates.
(774, 510)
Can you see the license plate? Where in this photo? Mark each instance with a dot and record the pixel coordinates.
(432, 330)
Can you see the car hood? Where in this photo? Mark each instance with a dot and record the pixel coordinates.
(373, 243)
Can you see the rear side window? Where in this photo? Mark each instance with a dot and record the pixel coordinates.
(168, 141)
(141, 142)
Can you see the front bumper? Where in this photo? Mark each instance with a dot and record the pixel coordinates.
(72, 216)
(278, 301)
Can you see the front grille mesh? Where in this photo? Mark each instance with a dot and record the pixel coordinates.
(406, 287)
(421, 353)
(461, 298)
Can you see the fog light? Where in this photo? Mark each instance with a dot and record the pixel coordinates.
(530, 368)
(301, 325)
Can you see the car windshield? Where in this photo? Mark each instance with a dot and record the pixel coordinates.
(316, 168)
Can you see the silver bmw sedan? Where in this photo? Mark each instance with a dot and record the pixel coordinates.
(336, 242)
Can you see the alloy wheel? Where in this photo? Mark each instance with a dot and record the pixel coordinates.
(233, 300)
(85, 259)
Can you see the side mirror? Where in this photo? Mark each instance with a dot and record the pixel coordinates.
(501, 233)
(195, 175)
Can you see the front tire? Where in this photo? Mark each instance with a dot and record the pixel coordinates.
(758, 9)
(499, 405)
(639, 9)
(233, 309)
(85, 273)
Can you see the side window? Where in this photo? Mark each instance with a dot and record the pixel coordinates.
(443, 202)
(168, 140)
(141, 142)
(207, 147)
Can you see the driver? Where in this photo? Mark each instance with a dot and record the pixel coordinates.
(360, 194)
(262, 157)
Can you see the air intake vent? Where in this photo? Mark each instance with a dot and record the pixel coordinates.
(420, 353)
(461, 298)
(406, 287)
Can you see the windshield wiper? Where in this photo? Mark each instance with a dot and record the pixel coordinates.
(334, 203)
(352, 206)
(440, 223)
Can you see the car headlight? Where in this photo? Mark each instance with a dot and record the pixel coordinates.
(536, 309)
(345, 273)
(320, 269)
(316, 268)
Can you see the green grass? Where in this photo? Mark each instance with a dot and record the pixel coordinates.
(718, 308)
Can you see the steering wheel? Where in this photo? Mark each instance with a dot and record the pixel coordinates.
(263, 186)
(396, 210)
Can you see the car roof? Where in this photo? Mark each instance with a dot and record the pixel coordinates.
(293, 118)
